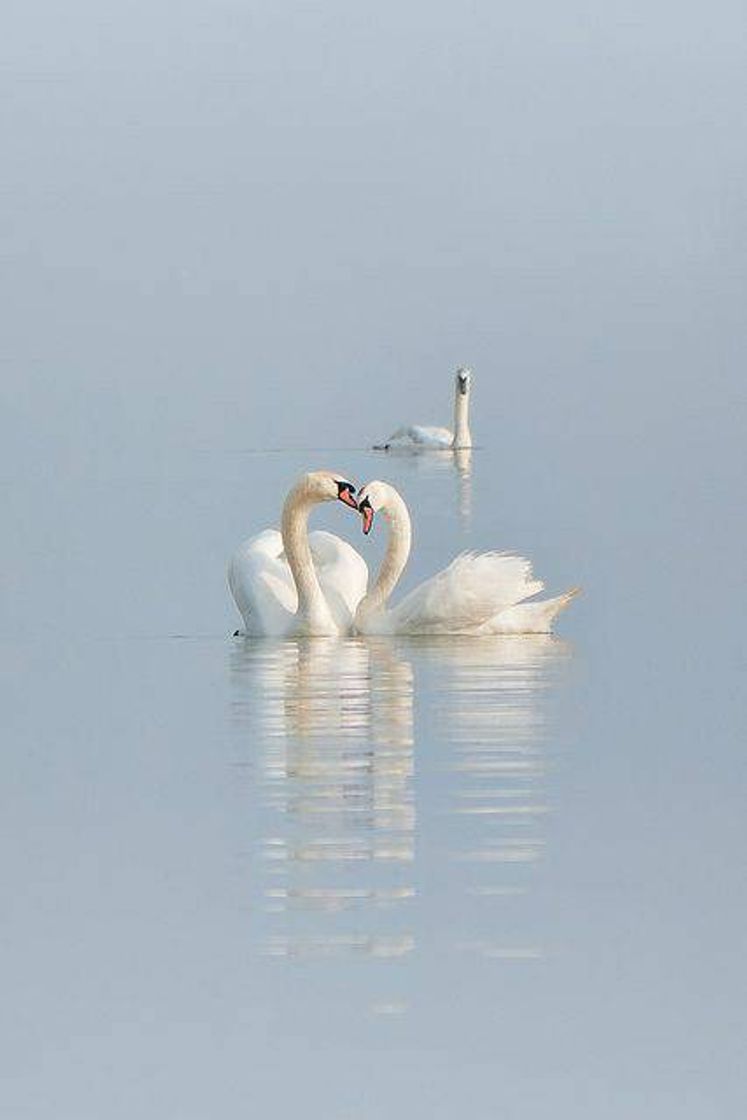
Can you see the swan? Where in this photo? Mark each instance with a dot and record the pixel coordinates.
(418, 438)
(290, 582)
(481, 593)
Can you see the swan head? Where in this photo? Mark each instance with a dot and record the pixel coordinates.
(371, 498)
(463, 380)
(328, 486)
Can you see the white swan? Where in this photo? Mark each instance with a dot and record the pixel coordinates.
(290, 582)
(418, 438)
(481, 593)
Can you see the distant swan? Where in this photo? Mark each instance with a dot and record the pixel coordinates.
(290, 582)
(418, 438)
(481, 593)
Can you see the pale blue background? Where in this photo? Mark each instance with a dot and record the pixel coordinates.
(234, 232)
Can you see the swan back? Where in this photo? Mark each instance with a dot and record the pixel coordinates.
(473, 589)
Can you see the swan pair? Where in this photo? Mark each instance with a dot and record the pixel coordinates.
(293, 582)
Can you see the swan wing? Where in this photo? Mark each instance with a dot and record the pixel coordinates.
(262, 586)
(343, 574)
(466, 595)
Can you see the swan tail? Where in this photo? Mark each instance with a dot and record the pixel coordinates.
(531, 618)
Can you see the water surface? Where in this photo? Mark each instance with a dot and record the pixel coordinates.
(257, 874)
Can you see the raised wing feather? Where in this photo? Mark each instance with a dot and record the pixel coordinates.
(343, 574)
(463, 597)
(261, 584)
(263, 588)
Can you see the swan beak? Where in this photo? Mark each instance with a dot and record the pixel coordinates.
(367, 516)
(463, 385)
(345, 492)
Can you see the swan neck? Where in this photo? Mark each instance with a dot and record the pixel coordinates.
(396, 556)
(295, 533)
(462, 435)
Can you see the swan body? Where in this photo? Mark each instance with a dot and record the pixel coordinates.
(417, 437)
(477, 594)
(422, 438)
(291, 582)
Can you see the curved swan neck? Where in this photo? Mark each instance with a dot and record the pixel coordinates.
(397, 552)
(462, 434)
(294, 529)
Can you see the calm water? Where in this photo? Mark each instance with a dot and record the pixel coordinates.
(356, 876)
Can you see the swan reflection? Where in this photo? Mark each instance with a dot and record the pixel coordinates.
(333, 721)
(463, 468)
(330, 727)
(490, 714)
(440, 462)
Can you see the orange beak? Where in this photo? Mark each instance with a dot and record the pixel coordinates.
(367, 516)
(345, 494)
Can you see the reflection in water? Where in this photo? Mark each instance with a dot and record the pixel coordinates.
(463, 467)
(333, 721)
(435, 462)
(330, 727)
(489, 712)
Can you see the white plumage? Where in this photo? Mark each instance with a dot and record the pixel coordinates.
(474, 588)
(293, 582)
(478, 593)
(418, 437)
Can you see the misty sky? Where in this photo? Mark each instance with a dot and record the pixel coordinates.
(231, 226)
(206, 205)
